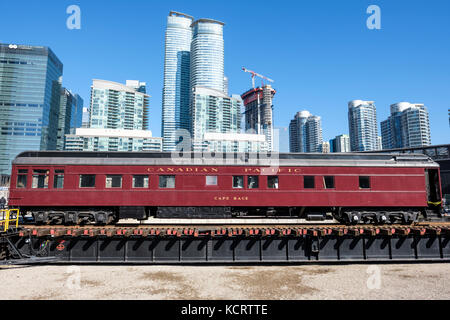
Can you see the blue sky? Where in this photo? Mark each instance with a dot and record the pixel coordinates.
(320, 53)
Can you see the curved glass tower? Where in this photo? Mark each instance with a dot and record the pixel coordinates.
(207, 54)
(175, 100)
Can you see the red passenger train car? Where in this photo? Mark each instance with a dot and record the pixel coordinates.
(104, 187)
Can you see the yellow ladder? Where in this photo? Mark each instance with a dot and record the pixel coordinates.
(8, 216)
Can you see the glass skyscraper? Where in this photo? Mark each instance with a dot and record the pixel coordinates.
(30, 84)
(362, 122)
(70, 115)
(176, 95)
(85, 118)
(407, 126)
(193, 62)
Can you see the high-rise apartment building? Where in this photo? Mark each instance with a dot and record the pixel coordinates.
(324, 147)
(118, 120)
(379, 143)
(117, 106)
(362, 122)
(137, 85)
(176, 90)
(95, 139)
(30, 84)
(216, 124)
(70, 115)
(213, 112)
(297, 133)
(225, 85)
(313, 134)
(340, 144)
(258, 104)
(305, 133)
(407, 126)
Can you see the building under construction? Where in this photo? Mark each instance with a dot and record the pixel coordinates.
(260, 122)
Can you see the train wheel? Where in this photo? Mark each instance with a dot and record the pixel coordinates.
(3, 252)
(110, 219)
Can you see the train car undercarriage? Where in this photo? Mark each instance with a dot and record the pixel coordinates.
(348, 216)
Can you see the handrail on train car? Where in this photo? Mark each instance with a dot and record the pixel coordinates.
(7, 216)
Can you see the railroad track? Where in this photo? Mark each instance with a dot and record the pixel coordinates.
(421, 228)
(221, 243)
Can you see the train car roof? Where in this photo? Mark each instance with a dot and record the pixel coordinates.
(217, 159)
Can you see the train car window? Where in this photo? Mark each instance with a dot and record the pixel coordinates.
(211, 180)
(253, 182)
(58, 180)
(113, 181)
(140, 181)
(272, 182)
(308, 182)
(87, 180)
(328, 182)
(238, 182)
(167, 181)
(40, 179)
(364, 182)
(22, 178)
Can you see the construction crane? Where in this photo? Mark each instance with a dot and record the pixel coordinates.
(254, 74)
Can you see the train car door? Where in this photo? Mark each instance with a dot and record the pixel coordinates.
(433, 185)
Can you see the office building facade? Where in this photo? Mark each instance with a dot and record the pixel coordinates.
(363, 129)
(30, 84)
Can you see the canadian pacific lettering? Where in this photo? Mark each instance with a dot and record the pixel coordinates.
(216, 170)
